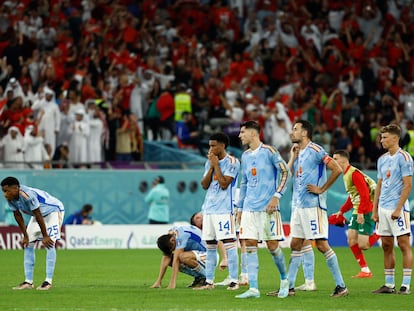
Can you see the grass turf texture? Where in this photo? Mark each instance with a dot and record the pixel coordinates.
(120, 280)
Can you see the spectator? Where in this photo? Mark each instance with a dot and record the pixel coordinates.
(158, 199)
(35, 154)
(46, 38)
(123, 140)
(61, 157)
(13, 149)
(81, 217)
(94, 139)
(323, 137)
(78, 144)
(318, 43)
(48, 117)
(182, 101)
(187, 132)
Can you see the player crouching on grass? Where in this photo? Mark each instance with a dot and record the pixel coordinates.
(185, 251)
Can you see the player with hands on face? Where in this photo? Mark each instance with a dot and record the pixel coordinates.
(220, 179)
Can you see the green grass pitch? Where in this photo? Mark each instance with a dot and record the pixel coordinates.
(120, 280)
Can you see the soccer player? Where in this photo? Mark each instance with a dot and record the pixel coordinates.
(361, 190)
(184, 250)
(47, 214)
(308, 162)
(219, 179)
(391, 208)
(264, 177)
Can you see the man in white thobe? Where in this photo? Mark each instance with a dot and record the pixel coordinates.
(13, 151)
(48, 116)
(35, 152)
(78, 144)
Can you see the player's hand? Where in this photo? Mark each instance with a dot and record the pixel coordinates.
(24, 242)
(360, 219)
(213, 159)
(272, 206)
(374, 216)
(294, 151)
(395, 215)
(223, 264)
(48, 242)
(314, 189)
(156, 285)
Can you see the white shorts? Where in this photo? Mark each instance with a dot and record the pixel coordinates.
(53, 223)
(389, 227)
(309, 223)
(218, 227)
(200, 257)
(261, 226)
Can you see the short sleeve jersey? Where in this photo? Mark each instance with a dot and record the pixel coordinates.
(264, 174)
(309, 168)
(189, 238)
(32, 198)
(218, 200)
(392, 169)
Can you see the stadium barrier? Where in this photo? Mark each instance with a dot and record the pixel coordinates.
(132, 236)
(118, 195)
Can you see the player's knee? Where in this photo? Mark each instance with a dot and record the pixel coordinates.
(404, 243)
(322, 246)
(387, 245)
(363, 246)
(352, 241)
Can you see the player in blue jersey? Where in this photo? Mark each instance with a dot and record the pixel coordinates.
(308, 162)
(184, 250)
(391, 208)
(47, 214)
(264, 177)
(219, 179)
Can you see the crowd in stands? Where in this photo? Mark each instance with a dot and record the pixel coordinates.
(87, 81)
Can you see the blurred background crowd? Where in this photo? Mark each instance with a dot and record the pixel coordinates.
(88, 81)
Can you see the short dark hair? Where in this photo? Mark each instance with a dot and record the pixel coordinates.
(251, 125)
(192, 222)
(160, 179)
(343, 153)
(221, 138)
(392, 129)
(164, 244)
(87, 208)
(10, 181)
(307, 126)
(185, 113)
